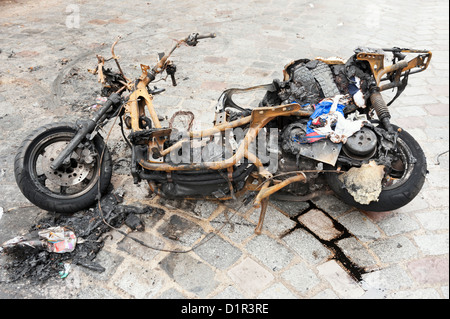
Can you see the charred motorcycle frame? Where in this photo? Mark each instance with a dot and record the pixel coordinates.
(62, 167)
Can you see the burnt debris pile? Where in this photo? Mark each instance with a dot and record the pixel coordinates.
(91, 227)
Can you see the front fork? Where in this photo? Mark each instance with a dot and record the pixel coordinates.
(85, 127)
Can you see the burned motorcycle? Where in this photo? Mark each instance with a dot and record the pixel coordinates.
(324, 126)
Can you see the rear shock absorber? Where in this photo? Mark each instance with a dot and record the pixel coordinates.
(380, 107)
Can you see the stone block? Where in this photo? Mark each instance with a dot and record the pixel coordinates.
(306, 246)
(341, 282)
(190, 273)
(320, 224)
(218, 252)
(250, 277)
(301, 277)
(269, 252)
(392, 250)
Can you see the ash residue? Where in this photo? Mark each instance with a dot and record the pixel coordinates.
(39, 265)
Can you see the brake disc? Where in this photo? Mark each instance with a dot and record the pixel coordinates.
(68, 175)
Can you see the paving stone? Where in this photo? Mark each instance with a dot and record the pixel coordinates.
(249, 276)
(263, 247)
(326, 294)
(433, 244)
(181, 231)
(438, 177)
(332, 205)
(229, 293)
(341, 282)
(239, 205)
(356, 252)
(151, 219)
(320, 224)
(392, 278)
(204, 209)
(377, 216)
(397, 224)
(393, 249)
(137, 250)
(308, 247)
(171, 294)
(276, 291)
(436, 199)
(301, 278)
(236, 227)
(430, 270)
(434, 220)
(108, 260)
(419, 203)
(274, 221)
(218, 252)
(95, 292)
(149, 284)
(190, 273)
(360, 226)
(16, 222)
(290, 208)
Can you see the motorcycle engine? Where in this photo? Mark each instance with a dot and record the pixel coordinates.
(291, 160)
(362, 145)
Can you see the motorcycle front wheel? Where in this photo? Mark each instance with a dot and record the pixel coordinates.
(72, 187)
(400, 186)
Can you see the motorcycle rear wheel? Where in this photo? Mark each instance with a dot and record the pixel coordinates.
(407, 182)
(75, 185)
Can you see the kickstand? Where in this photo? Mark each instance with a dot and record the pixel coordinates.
(262, 214)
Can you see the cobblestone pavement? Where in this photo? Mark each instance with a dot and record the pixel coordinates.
(305, 248)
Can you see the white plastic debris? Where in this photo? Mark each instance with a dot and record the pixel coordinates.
(59, 239)
(54, 239)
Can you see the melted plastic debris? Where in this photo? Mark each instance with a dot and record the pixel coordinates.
(37, 264)
(364, 183)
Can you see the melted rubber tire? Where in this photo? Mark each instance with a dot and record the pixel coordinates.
(29, 186)
(396, 197)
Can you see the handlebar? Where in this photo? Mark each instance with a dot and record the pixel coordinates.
(190, 40)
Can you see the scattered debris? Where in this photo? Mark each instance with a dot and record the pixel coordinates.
(34, 68)
(64, 273)
(29, 256)
(53, 239)
(437, 158)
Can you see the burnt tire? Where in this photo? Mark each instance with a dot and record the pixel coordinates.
(397, 195)
(85, 181)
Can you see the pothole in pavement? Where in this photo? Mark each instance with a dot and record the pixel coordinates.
(328, 232)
